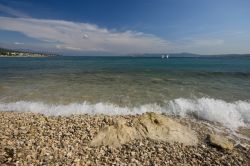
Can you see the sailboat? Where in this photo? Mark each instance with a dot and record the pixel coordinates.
(165, 56)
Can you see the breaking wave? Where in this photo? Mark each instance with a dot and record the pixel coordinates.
(231, 115)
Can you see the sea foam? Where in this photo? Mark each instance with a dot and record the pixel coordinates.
(231, 115)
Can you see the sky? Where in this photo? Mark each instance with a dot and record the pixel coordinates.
(118, 27)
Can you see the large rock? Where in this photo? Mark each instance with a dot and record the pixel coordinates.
(149, 125)
(220, 142)
(115, 135)
(162, 128)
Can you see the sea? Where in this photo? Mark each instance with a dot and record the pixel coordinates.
(215, 88)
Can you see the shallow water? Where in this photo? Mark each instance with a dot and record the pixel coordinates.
(217, 89)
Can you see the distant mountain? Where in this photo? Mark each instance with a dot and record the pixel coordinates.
(184, 54)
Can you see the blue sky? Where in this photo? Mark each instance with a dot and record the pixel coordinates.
(126, 27)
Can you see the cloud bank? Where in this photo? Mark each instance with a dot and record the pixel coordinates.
(66, 35)
(69, 37)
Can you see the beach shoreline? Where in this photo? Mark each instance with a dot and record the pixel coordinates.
(30, 138)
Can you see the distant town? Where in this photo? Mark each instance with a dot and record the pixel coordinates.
(14, 53)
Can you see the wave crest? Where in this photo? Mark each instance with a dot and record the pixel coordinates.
(231, 115)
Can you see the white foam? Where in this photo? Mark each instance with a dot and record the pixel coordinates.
(231, 115)
(77, 108)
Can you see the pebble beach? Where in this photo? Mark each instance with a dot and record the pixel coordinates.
(36, 139)
(117, 83)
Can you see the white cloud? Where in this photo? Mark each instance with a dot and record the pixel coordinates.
(66, 36)
(84, 36)
(18, 43)
(12, 12)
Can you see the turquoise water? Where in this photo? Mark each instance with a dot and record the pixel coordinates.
(123, 80)
(215, 88)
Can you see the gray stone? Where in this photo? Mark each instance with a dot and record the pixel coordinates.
(220, 142)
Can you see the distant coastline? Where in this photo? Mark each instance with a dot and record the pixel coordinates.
(188, 55)
(14, 53)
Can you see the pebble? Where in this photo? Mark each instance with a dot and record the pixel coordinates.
(34, 139)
